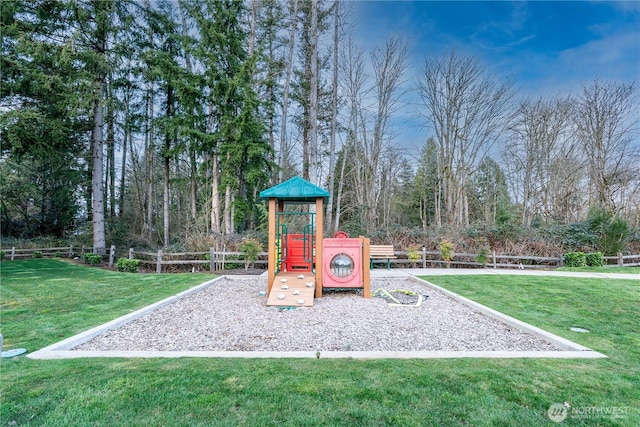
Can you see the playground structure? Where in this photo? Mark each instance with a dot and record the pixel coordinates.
(301, 262)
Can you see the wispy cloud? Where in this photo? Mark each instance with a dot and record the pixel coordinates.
(615, 57)
(626, 6)
(544, 47)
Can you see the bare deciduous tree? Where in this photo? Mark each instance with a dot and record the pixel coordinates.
(466, 107)
(352, 78)
(606, 120)
(541, 157)
(370, 128)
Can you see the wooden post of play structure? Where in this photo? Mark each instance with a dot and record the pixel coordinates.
(366, 272)
(279, 242)
(272, 250)
(319, 239)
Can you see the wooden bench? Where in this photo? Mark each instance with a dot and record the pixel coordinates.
(381, 252)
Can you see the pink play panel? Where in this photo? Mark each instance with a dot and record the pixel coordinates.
(342, 263)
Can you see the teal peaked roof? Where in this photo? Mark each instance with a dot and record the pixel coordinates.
(295, 189)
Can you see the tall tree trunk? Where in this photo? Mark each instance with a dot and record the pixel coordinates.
(138, 176)
(167, 169)
(215, 195)
(193, 183)
(313, 97)
(149, 152)
(228, 211)
(193, 167)
(339, 195)
(99, 240)
(179, 197)
(287, 84)
(111, 156)
(102, 13)
(165, 205)
(125, 144)
(334, 113)
(437, 201)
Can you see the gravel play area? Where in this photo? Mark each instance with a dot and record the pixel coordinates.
(232, 315)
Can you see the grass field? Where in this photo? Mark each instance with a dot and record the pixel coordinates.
(44, 301)
(605, 269)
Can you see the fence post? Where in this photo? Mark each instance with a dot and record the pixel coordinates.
(212, 259)
(493, 257)
(70, 251)
(424, 257)
(159, 262)
(561, 260)
(130, 253)
(13, 252)
(224, 253)
(620, 259)
(112, 255)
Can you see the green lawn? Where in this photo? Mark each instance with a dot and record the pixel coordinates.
(44, 301)
(604, 269)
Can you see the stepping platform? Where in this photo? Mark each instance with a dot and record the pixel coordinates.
(293, 290)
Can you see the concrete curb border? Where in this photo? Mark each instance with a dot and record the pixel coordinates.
(356, 355)
(556, 340)
(69, 343)
(569, 349)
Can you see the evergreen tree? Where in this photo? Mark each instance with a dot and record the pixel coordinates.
(235, 136)
(308, 89)
(490, 192)
(404, 203)
(93, 31)
(269, 48)
(426, 185)
(42, 124)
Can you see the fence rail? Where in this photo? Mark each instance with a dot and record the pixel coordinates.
(495, 260)
(214, 260)
(64, 251)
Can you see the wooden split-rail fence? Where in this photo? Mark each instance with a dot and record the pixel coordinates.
(215, 260)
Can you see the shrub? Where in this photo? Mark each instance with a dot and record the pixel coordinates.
(37, 254)
(1, 255)
(413, 254)
(482, 256)
(446, 251)
(233, 265)
(206, 265)
(251, 249)
(610, 232)
(127, 265)
(595, 259)
(575, 259)
(92, 259)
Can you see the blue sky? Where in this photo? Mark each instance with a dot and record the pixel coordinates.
(545, 47)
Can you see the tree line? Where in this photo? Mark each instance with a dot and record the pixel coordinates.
(165, 120)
